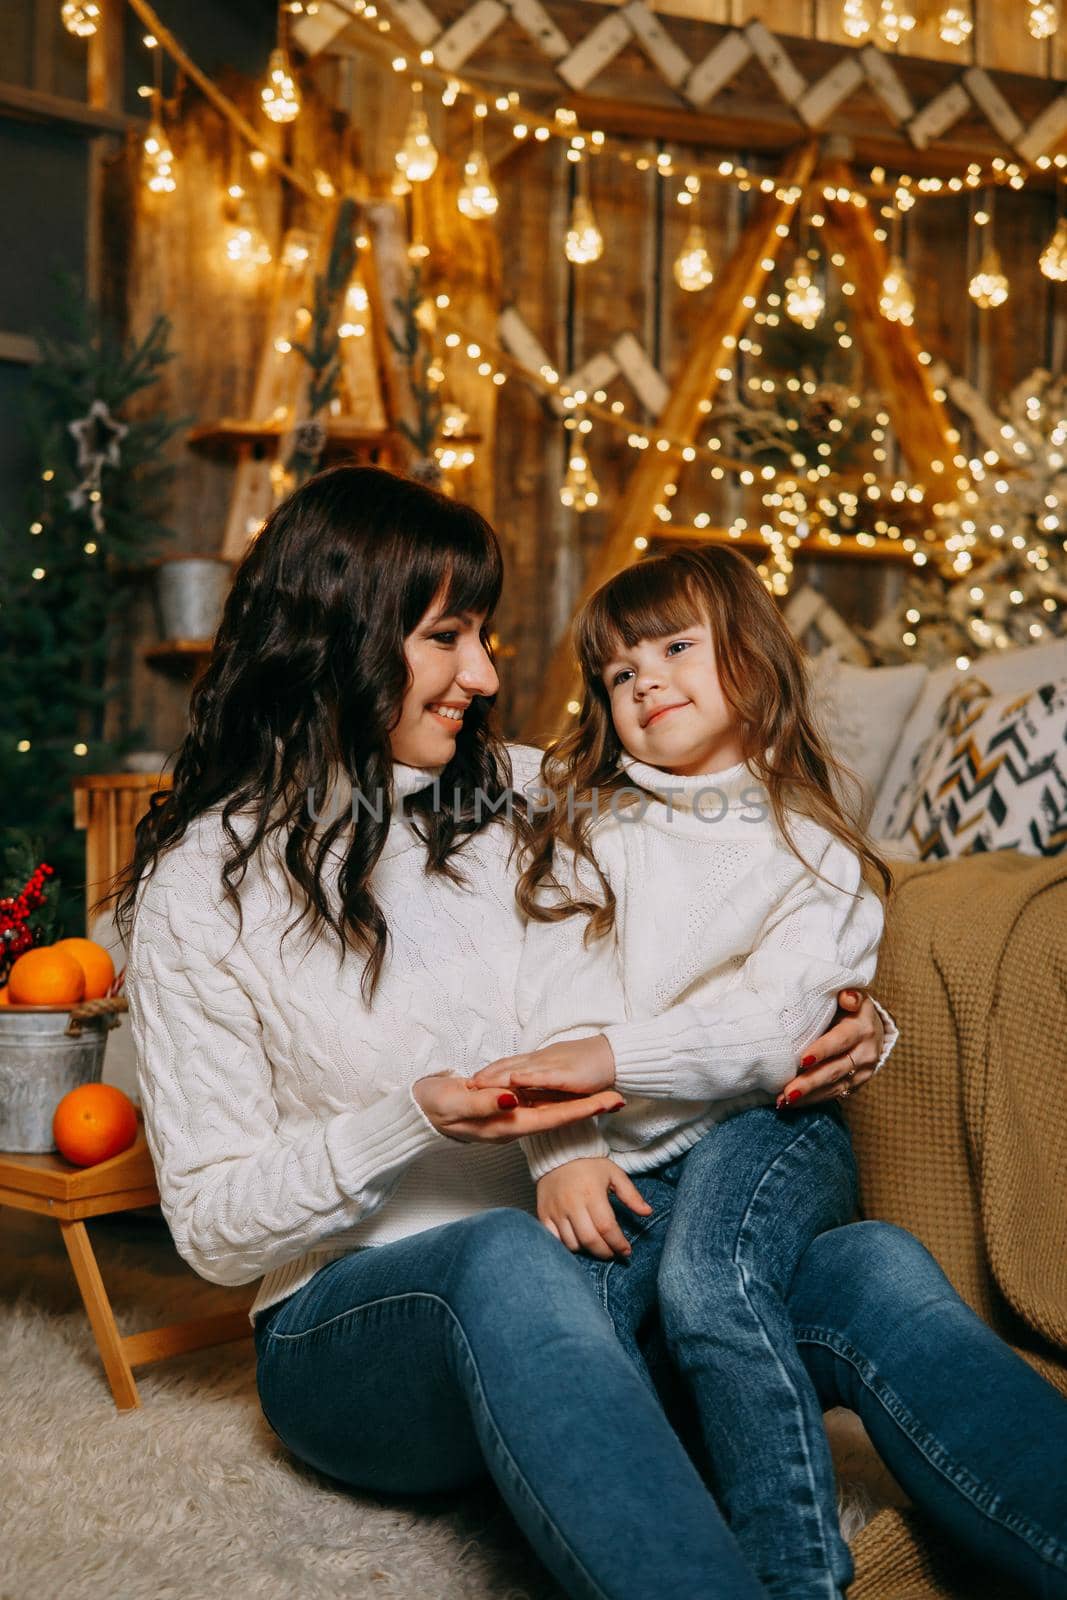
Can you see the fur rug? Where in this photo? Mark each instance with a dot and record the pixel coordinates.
(192, 1497)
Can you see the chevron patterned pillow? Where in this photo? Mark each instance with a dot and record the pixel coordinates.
(994, 776)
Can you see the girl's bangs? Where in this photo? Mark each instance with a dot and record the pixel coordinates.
(647, 601)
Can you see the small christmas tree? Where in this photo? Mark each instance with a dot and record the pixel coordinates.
(66, 578)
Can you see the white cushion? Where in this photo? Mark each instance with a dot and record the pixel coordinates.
(1002, 671)
(995, 777)
(861, 711)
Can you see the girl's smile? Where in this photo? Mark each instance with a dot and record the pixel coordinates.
(650, 682)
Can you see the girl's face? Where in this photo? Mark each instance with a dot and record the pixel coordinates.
(668, 706)
(448, 665)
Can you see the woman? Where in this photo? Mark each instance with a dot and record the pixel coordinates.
(304, 1087)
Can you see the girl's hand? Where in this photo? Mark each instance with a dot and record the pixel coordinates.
(842, 1060)
(572, 1202)
(495, 1117)
(577, 1066)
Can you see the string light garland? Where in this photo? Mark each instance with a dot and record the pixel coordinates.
(989, 287)
(856, 19)
(416, 160)
(894, 21)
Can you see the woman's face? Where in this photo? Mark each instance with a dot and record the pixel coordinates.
(448, 665)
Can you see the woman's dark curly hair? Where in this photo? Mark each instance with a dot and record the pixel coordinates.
(307, 675)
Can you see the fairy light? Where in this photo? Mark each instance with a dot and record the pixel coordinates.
(584, 242)
(989, 286)
(1043, 19)
(804, 300)
(354, 310)
(579, 490)
(692, 268)
(157, 158)
(477, 196)
(956, 22)
(1053, 258)
(856, 18)
(80, 20)
(279, 96)
(416, 160)
(894, 21)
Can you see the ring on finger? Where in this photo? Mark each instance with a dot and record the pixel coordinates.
(851, 1073)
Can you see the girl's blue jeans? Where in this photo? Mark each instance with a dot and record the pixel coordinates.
(485, 1345)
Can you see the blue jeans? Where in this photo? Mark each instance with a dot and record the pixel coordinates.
(976, 1438)
(416, 1366)
(732, 1218)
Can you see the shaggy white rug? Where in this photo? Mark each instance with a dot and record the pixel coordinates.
(192, 1497)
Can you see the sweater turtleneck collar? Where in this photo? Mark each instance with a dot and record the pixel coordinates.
(729, 785)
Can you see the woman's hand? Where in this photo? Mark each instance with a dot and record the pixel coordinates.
(462, 1111)
(577, 1066)
(572, 1202)
(843, 1059)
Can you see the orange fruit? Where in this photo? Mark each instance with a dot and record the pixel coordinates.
(5, 998)
(94, 961)
(46, 976)
(93, 1123)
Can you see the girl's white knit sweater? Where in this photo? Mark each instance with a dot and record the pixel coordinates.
(277, 1103)
(725, 962)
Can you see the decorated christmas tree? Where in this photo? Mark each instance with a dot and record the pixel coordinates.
(92, 521)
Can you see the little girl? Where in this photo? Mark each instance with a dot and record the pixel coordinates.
(698, 897)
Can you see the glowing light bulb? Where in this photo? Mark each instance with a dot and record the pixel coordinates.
(477, 196)
(246, 247)
(989, 287)
(354, 310)
(894, 21)
(1053, 258)
(279, 95)
(81, 20)
(584, 241)
(897, 300)
(693, 269)
(1044, 18)
(856, 18)
(416, 159)
(579, 490)
(956, 22)
(804, 301)
(157, 160)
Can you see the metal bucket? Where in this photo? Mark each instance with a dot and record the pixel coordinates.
(44, 1052)
(190, 591)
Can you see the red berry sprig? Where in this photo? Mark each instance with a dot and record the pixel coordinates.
(16, 935)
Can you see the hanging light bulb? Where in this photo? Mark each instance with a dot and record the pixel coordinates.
(804, 301)
(157, 159)
(416, 159)
(354, 310)
(477, 196)
(956, 22)
(246, 246)
(894, 21)
(579, 490)
(989, 287)
(584, 241)
(897, 301)
(1053, 258)
(81, 20)
(1044, 18)
(693, 269)
(279, 95)
(856, 18)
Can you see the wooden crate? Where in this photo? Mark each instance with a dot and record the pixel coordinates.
(109, 806)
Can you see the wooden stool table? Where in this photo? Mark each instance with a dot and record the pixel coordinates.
(53, 1188)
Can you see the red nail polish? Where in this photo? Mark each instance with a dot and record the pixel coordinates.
(507, 1101)
(794, 1095)
(808, 1061)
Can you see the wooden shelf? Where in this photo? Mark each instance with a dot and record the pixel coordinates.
(231, 438)
(179, 658)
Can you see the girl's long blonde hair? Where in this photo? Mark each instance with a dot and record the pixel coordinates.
(762, 674)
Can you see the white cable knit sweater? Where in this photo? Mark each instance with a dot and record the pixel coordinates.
(725, 962)
(278, 1107)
